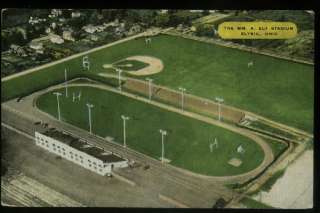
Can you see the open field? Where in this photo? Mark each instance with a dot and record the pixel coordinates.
(274, 88)
(187, 143)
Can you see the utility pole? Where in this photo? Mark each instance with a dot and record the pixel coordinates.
(89, 112)
(124, 118)
(58, 94)
(183, 90)
(163, 133)
(219, 100)
(119, 77)
(150, 88)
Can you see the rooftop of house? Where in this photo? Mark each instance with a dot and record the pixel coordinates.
(76, 143)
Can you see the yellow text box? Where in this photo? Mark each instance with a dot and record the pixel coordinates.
(257, 30)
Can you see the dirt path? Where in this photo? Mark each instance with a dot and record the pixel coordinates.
(155, 65)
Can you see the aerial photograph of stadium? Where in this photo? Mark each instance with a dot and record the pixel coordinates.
(157, 109)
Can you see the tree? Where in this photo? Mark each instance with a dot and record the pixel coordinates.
(108, 14)
(205, 30)
(144, 16)
(184, 17)
(78, 23)
(162, 20)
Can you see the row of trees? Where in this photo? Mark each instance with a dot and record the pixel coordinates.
(148, 17)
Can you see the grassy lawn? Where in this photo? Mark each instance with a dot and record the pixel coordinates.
(187, 143)
(271, 181)
(268, 128)
(277, 147)
(253, 204)
(274, 88)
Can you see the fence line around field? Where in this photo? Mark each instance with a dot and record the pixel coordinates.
(239, 47)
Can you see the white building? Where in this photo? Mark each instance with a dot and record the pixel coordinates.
(56, 12)
(56, 39)
(90, 28)
(79, 152)
(37, 46)
(48, 30)
(75, 14)
(67, 35)
(53, 25)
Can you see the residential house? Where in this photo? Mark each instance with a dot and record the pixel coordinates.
(37, 46)
(89, 28)
(67, 35)
(56, 39)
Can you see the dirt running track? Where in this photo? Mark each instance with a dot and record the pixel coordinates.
(229, 179)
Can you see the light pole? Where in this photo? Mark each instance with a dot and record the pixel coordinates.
(89, 111)
(183, 90)
(219, 100)
(58, 94)
(66, 83)
(119, 77)
(163, 133)
(86, 62)
(150, 84)
(124, 118)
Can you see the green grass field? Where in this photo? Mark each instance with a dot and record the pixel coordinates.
(187, 143)
(253, 204)
(274, 88)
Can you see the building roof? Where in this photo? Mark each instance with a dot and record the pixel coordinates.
(76, 143)
(36, 45)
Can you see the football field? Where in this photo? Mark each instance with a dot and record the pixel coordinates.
(187, 144)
